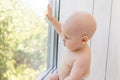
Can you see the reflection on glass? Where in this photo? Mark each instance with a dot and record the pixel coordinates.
(23, 39)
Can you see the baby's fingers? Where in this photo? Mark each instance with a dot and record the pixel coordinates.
(49, 9)
(49, 13)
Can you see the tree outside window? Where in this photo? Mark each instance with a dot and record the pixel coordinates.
(23, 40)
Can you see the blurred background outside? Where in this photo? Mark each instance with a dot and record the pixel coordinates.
(23, 39)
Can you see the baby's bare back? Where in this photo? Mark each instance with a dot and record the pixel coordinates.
(67, 60)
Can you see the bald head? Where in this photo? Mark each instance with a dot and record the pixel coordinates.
(80, 24)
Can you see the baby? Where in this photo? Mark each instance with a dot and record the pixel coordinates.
(75, 32)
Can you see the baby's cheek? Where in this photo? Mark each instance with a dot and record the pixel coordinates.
(68, 45)
(71, 46)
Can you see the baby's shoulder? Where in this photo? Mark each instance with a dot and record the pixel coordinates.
(84, 58)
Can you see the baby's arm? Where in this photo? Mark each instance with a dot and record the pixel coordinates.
(53, 20)
(77, 71)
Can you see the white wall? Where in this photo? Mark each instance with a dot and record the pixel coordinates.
(105, 44)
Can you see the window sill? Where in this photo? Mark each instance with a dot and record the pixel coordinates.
(44, 74)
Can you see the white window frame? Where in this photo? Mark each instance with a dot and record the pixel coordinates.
(53, 37)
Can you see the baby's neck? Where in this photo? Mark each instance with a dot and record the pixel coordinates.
(83, 48)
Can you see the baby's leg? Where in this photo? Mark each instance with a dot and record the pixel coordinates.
(53, 76)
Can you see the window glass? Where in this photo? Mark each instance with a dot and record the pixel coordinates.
(23, 39)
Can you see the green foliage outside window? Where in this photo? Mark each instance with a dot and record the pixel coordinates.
(23, 40)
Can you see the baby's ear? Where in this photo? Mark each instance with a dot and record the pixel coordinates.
(84, 39)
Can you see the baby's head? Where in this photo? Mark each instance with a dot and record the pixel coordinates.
(77, 30)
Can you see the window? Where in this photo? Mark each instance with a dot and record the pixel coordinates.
(28, 44)
(52, 43)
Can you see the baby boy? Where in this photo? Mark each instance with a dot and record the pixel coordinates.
(75, 32)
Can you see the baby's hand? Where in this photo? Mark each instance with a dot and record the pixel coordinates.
(49, 13)
(53, 20)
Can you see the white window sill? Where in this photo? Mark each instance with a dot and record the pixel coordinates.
(44, 74)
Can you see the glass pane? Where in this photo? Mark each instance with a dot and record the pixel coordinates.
(23, 39)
